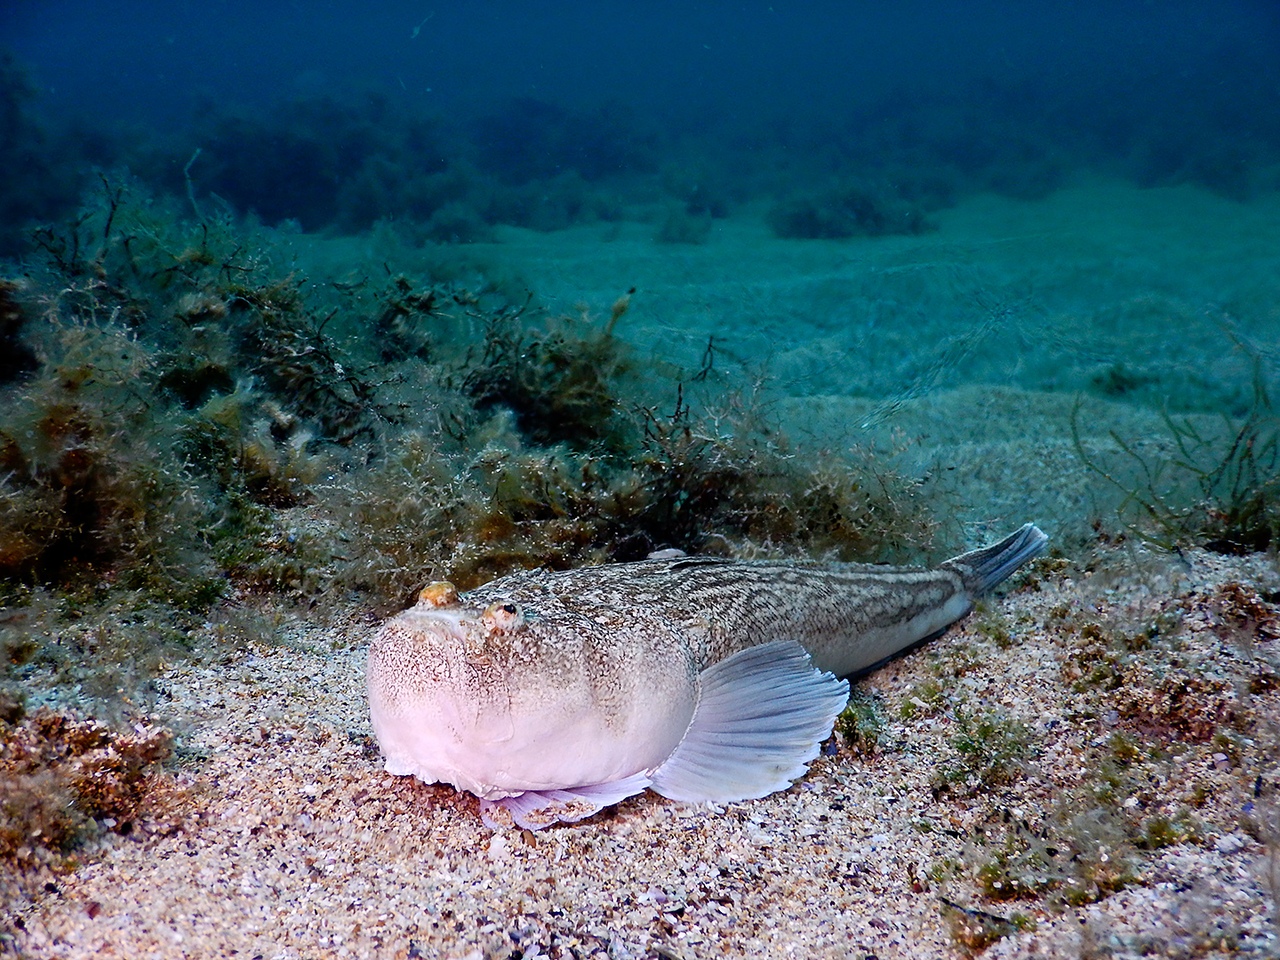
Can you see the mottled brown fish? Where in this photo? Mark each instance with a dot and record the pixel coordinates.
(703, 679)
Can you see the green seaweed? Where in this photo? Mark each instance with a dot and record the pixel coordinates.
(974, 930)
(991, 750)
(993, 625)
(1216, 489)
(560, 380)
(861, 723)
(196, 420)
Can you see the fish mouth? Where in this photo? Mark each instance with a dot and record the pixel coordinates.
(472, 690)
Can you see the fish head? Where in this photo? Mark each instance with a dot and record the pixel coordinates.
(498, 698)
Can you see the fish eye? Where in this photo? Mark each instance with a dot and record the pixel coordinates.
(503, 617)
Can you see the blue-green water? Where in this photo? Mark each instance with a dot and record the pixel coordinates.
(930, 229)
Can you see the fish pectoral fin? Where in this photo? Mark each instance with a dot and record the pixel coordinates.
(536, 809)
(760, 718)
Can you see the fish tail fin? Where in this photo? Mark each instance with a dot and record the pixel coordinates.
(982, 569)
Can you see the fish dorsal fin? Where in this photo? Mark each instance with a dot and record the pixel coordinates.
(760, 718)
(536, 809)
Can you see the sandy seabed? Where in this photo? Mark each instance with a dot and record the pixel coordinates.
(280, 837)
(285, 839)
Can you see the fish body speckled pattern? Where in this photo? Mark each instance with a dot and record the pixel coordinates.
(553, 695)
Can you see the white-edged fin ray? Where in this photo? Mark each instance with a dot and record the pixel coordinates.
(761, 717)
(536, 809)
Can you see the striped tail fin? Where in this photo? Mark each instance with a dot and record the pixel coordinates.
(986, 567)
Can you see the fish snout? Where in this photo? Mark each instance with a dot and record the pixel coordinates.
(436, 692)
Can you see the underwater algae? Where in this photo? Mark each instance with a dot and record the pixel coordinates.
(185, 424)
(1215, 485)
(200, 427)
(221, 459)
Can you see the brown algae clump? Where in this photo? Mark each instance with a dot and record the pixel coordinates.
(63, 778)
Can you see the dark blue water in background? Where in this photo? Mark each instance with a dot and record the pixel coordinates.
(737, 64)
(339, 114)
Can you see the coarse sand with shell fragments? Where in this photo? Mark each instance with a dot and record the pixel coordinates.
(1085, 767)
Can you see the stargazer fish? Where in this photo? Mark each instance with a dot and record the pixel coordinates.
(704, 679)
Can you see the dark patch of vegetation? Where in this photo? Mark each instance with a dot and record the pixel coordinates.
(844, 212)
(457, 222)
(320, 162)
(1119, 380)
(681, 224)
(64, 779)
(529, 139)
(196, 422)
(560, 382)
(16, 355)
(40, 173)
(346, 164)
